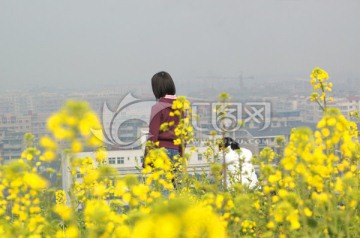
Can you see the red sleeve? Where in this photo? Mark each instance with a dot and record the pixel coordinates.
(154, 125)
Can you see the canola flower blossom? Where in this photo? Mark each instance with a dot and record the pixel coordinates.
(311, 188)
(319, 81)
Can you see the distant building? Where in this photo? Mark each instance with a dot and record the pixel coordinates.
(311, 111)
(13, 127)
(24, 123)
(130, 162)
(11, 145)
(346, 104)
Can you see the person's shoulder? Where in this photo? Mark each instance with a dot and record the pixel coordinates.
(159, 106)
(166, 100)
(231, 155)
(244, 150)
(157, 103)
(246, 153)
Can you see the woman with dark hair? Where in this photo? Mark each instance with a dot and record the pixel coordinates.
(162, 85)
(164, 91)
(239, 166)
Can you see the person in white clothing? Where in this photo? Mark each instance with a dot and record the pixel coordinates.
(239, 166)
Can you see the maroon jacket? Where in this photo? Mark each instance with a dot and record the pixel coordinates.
(160, 114)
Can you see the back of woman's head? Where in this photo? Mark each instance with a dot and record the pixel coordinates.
(162, 84)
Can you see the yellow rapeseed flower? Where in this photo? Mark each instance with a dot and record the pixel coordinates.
(307, 212)
(60, 196)
(65, 212)
(35, 181)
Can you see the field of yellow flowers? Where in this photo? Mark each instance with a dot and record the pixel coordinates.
(312, 192)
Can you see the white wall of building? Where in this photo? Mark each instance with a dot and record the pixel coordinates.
(130, 162)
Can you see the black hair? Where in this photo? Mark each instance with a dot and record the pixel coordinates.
(162, 84)
(230, 142)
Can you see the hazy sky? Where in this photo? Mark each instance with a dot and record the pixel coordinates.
(67, 43)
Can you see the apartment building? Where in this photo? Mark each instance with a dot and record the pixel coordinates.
(311, 112)
(11, 145)
(130, 162)
(24, 123)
